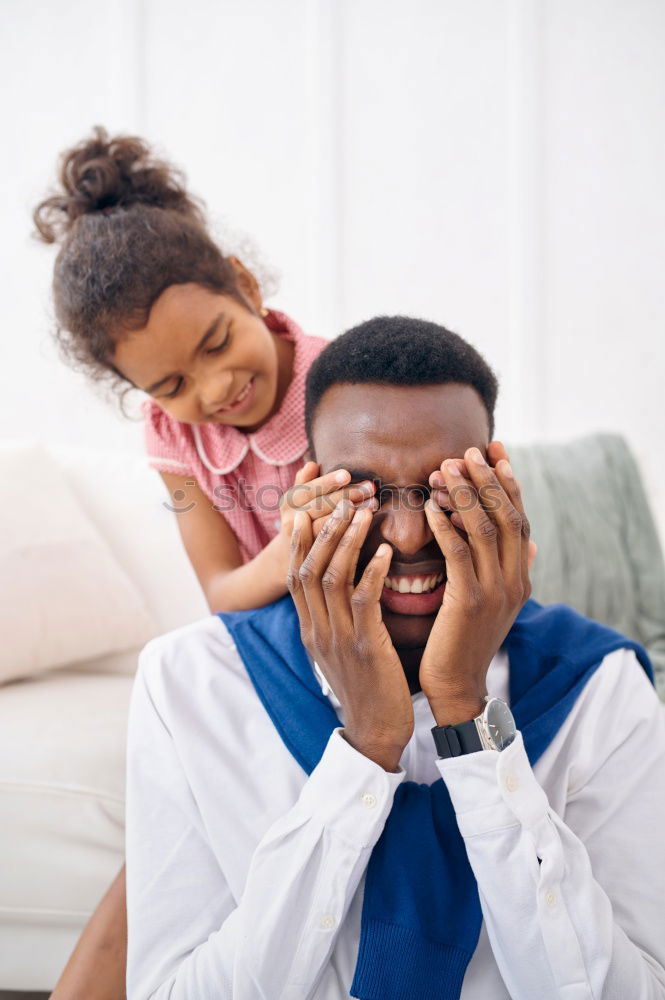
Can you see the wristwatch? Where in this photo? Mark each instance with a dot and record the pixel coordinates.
(493, 729)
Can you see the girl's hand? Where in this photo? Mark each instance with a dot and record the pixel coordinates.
(319, 495)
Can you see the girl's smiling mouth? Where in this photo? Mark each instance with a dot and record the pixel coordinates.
(242, 401)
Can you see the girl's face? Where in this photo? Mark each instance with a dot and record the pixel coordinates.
(204, 357)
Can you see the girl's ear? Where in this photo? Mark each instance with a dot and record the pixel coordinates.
(247, 284)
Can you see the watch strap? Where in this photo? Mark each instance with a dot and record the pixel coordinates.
(453, 741)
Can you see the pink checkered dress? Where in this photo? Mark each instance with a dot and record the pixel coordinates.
(243, 474)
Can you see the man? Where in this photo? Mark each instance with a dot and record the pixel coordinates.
(352, 816)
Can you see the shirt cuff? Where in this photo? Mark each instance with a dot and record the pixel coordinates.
(349, 793)
(493, 791)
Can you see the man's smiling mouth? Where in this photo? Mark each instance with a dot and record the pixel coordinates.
(415, 589)
(413, 584)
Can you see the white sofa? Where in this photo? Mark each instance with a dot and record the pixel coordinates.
(62, 733)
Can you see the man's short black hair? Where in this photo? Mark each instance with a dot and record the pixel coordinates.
(399, 350)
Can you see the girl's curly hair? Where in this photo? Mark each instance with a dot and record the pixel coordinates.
(128, 229)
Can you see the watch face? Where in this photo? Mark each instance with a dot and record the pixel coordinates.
(499, 723)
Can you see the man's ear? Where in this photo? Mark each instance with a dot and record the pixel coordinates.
(247, 284)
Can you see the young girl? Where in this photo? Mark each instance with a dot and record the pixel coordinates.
(145, 298)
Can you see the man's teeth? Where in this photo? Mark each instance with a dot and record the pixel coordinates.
(413, 584)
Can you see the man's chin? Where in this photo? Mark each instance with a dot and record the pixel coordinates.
(407, 631)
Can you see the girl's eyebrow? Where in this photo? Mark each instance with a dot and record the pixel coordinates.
(202, 342)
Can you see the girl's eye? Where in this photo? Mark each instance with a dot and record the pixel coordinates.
(174, 392)
(220, 346)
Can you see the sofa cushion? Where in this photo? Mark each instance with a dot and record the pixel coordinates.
(62, 775)
(65, 598)
(128, 503)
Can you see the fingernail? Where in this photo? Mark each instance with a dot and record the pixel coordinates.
(341, 476)
(338, 511)
(476, 456)
(506, 469)
(453, 468)
(299, 520)
(366, 488)
(357, 517)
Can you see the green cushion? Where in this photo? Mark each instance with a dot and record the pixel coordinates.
(598, 548)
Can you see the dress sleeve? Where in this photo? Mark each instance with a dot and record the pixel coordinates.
(166, 443)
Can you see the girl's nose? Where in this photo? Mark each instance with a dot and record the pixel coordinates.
(215, 390)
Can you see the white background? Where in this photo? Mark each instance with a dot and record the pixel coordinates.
(496, 165)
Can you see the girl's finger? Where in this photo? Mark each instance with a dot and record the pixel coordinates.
(370, 504)
(322, 506)
(309, 471)
(302, 494)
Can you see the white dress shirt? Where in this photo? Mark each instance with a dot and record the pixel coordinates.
(245, 876)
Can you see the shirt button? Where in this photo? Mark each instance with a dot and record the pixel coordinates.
(511, 783)
(550, 899)
(327, 922)
(369, 800)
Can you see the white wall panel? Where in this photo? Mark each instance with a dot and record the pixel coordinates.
(238, 93)
(495, 164)
(605, 224)
(62, 71)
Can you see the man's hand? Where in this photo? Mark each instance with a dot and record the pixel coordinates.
(496, 450)
(487, 585)
(342, 628)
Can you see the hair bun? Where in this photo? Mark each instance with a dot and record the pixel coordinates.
(103, 173)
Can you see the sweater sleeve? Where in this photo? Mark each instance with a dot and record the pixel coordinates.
(166, 443)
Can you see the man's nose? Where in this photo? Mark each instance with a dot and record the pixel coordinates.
(407, 530)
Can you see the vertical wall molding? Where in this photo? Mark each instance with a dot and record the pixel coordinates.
(124, 41)
(526, 407)
(324, 122)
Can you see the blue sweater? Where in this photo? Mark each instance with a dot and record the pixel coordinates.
(421, 913)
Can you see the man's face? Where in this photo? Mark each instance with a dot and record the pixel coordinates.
(397, 436)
